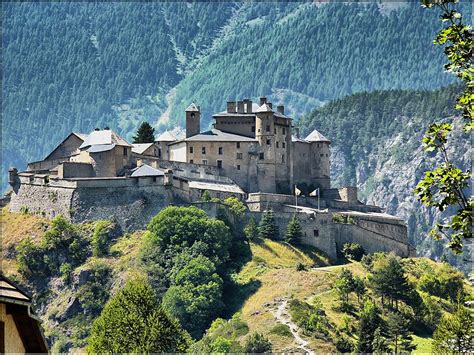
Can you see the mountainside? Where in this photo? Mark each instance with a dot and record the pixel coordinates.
(77, 66)
(285, 292)
(376, 145)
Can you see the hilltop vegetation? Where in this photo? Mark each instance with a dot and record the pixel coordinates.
(277, 296)
(79, 66)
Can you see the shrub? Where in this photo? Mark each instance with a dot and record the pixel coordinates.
(353, 251)
(257, 343)
(236, 206)
(282, 330)
(100, 238)
(344, 344)
(444, 281)
(267, 227)
(66, 271)
(300, 267)
(310, 318)
(94, 293)
(251, 229)
(206, 196)
(30, 258)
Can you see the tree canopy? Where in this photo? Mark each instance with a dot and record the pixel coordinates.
(145, 134)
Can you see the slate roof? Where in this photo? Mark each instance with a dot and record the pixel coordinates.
(316, 136)
(225, 113)
(300, 140)
(8, 291)
(139, 148)
(104, 137)
(201, 185)
(192, 108)
(146, 170)
(81, 136)
(216, 135)
(99, 148)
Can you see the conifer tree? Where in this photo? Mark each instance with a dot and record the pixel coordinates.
(251, 229)
(399, 335)
(294, 233)
(267, 227)
(145, 134)
(368, 323)
(379, 344)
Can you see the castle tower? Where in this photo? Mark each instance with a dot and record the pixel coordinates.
(193, 120)
(320, 162)
(265, 135)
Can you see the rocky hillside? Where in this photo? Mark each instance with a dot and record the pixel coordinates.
(77, 66)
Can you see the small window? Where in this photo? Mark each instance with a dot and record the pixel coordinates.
(316, 232)
(261, 156)
(284, 130)
(268, 128)
(238, 145)
(269, 142)
(327, 155)
(321, 155)
(277, 144)
(221, 150)
(253, 129)
(191, 161)
(204, 162)
(219, 164)
(154, 178)
(275, 130)
(159, 152)
(125, 153)
(283, 158)
(191, 150)
(283, 144)
(319, 145)
(238, 167)
(259, 130)
(203, 150)
(239, 155)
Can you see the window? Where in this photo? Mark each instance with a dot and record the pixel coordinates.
(253, 129)
(204, 162)
(268, 128)
(191, 161)
(321, 155)
(191, 150)
(154, 178)
(219, 164)
(203, 150)
(284, 130)
(238, 145)
(239, 155)
(277, 144)
(327, 155)
(159, 152)
(221, 150)
(283, 144)
(238, 167)
(269, 142)
(261, 156)
(283, 158)
(316, 232)
(275, 130)
(319, 145)
(125, 153)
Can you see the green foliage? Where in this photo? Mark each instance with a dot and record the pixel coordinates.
(267, 227)
(195, 296)
(443, 281)
(294, 232)
(236, 206)
(353, 251)
(311, 318)
(257, 344)
(133, 321)
(455, 332)
(399, 336)
(344, 344)
(93, 294)
(206, 196)
(300, 267)
(445, 185)
(344, 285)
(431, 312)
(145, 134)
(368, 323)
(388, 279)
(379, 342)
(251, 229)
(66, 271)
(281, 330)
(30, 258)
(100, 238)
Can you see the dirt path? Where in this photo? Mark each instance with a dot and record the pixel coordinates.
(282, 316)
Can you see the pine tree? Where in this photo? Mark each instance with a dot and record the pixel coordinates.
(294, 233)
(399, 335)
(267, 227)
(145, 134)
(379, 344)
(368, 323)
(251, 229)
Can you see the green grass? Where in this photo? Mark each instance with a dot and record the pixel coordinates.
(423, 345)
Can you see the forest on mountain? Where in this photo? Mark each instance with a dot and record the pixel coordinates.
(77, 66)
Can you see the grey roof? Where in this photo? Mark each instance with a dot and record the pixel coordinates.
(104, 137)
(225, 113)
(201, 185)
(218, 136)
(192, 108)
(82, 136)
(146, 170)
(166, 136)
(264, 108)
(297, 139)
(99, 148)
(316, 136)
(139, 148)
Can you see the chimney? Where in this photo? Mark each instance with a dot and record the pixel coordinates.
(97, 129)
(270, 105)
(248, 105)
(297, 130)
(281, 109)
(240, 107)
(231, 106)
(107, 128)
(263, 100)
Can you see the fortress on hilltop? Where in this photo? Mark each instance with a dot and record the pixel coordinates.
(252, 152)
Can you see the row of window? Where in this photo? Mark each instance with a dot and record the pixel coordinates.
(267, 129)
(220, 150)
(218, 163)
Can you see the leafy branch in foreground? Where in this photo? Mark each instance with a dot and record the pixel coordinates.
(445, 186)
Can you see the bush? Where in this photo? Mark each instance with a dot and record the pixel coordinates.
(251, 229)
(66, 271)
(310, 318)
(353, 251)
(282, 330)
(236, 206)
(94, 293)
(100, 238)
(257, 343)
(300, 267)
(443, 281)
(344, 344)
